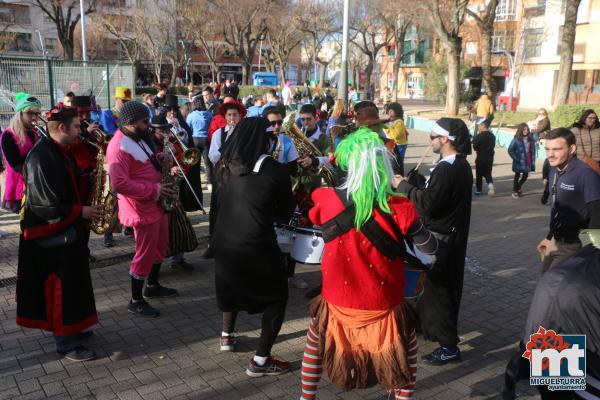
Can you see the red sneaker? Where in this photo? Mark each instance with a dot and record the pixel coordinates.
(271, 367)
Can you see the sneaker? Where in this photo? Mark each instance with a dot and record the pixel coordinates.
(143, 309)
(109, 242)
(442, 356)
(298, 282)
(477, 193)
(520, 193)
(515, 195)
(128, 231)
(271, 367)
(491, 189)
(545, 196)
(183, 265)
(158, 291)
(79, 353)
(228, 342)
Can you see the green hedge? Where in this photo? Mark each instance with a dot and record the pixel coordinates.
(565, 116)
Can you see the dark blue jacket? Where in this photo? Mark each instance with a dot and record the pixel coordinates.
(516, 150)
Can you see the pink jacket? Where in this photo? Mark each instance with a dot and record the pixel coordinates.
(135, 180)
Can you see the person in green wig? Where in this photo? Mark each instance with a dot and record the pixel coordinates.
(362, 331)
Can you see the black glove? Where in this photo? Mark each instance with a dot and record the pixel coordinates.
(416, 179)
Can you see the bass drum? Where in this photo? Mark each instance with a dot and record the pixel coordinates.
(308, 246)
(285, 237)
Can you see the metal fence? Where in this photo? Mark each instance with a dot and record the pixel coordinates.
(49, 80)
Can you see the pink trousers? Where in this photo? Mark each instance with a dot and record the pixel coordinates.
(151, 243)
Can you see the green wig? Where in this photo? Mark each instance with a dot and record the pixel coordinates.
(367, 163)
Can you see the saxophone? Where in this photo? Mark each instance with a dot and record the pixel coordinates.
(106, 202)
(169, 179)
(305, 147)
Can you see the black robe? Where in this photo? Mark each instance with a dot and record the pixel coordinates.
(250, 272)
(54, 286)
(193, 174)
(445, 206)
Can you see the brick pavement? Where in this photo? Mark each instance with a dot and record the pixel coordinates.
(176, 356)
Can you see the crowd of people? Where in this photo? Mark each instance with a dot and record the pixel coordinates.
(337, 169)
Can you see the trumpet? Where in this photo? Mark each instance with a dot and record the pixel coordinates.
(189, 157)
(98, 135)
(41, 126)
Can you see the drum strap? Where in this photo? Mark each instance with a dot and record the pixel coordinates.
(383, 241)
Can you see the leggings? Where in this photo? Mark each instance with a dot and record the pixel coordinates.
(312, 368)
(519, 180)
(272, 319)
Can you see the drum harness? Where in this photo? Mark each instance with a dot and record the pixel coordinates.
(383, 241)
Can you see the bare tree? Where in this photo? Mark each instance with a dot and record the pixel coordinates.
(567, 47)
(283, 36)
(125, 33)
(447, 17)
(319, 21)
(200, 19)
(485, 24)
(244, 30)
(65, 15)
(370, 34)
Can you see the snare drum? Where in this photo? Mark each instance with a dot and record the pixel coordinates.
(413, 283)
(308, 245)
(285, 237)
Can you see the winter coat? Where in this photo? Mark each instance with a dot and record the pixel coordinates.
(516, 151)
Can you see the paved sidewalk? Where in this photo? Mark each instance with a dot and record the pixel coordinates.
(177, 355)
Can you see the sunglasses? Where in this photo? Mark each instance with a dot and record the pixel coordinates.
(275, 123)
(37, 114)
(433, 137)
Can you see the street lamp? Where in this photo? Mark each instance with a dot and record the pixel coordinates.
(343, 83)
(511, 71)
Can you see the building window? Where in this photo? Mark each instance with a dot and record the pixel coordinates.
(577, 81)
(51, 44)
(506, 10)
(596, 82)
(14, 13)
(533, 42)
(17, 41)
(471, 48)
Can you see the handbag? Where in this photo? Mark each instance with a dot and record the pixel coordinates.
(65, 238)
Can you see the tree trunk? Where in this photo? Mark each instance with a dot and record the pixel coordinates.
(489, 84)
(67, 49)
(453, 89)
(368, 72)
(322, 69)
(566, 53)
(246, 72)
(282, 70)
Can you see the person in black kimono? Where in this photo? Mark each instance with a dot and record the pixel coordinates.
(255, 192)
(445, 206)
(54, 286)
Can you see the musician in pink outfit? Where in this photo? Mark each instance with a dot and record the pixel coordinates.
(136, 173)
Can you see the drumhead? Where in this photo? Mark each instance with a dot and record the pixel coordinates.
(308, 231)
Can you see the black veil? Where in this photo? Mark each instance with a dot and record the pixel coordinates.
(248, 142)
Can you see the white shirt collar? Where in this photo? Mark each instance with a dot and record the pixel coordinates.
(449, 159)
(315, 135)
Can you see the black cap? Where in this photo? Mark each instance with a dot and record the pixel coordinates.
(160, 121)
(171, 101)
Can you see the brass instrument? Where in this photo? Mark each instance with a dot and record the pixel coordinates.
(106, 201)
(99, 136)
(305, 147)
(41, 128)
(189, 156)
(169, 179)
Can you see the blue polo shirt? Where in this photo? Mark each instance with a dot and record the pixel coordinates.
(573, 189)
(199, 121)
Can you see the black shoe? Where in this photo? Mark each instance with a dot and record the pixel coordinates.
(182, 265)
(442, 356)
(84, 335)
(208, 253)
(154, 292)
(143, 309)
(79, 353)
(109, 242)
(545, 196)
(271, 367)
(128, 231)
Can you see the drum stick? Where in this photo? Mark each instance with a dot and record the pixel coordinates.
(422, 158)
